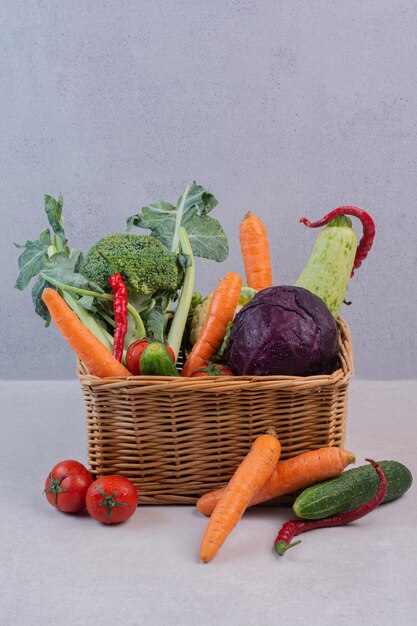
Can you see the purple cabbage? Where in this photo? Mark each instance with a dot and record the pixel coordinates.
(283, 330)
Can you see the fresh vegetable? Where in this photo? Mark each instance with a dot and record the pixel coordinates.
(219, 356)
(246, 295)
(212, 369)
(255, 252)
(163, 325)
(249, 477)
(283, 330)
(134, 354)
(157, 361)
(158, 269)
(199, 318)
(187, 230)
(220, 313)
(179, 321)
(335, 255)
(56, 265)
(120, 313)
(152, 275)
(111, 499)
(196, 301)
(98, 359)
(295, 527)
(66, 486)
(290, 475)
(147, 267)
(368, 226)
(207, 237)
(200, 314)
(351, 489)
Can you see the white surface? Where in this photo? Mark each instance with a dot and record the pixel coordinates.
(61, 569)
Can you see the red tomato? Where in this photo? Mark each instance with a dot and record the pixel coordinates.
(67, 485)
(111, 499)
(212, 369)
(134, 352)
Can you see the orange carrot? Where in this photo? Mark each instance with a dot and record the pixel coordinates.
(255, 251)
(288, 476)
(249, 477)
(221, 311)
(97, 358)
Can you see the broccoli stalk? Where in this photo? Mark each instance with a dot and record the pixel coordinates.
(59, 245)
(87, 319)
(152, 274)
(179, 321)
(158, 269)
(178, 219)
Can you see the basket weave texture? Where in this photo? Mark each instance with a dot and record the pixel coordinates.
(177, 438)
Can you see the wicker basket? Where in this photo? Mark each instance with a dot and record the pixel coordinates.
(177, 438)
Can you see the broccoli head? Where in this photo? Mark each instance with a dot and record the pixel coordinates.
(147, 267)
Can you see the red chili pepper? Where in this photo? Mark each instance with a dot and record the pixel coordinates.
(368, 226)
(296, 527)
(120, 314)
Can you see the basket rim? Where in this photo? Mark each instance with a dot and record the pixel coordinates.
(336, 378)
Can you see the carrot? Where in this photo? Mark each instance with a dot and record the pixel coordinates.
(288, 476)
(97, 358)
(249, 477)
(221, 311)
(255, 251)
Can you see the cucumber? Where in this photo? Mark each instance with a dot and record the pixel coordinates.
(156, 361)
(351, 489)
(329, 268)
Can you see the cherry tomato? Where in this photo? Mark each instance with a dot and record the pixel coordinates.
(212, 369)
(111, 499)
(134, 352)
(67, 485)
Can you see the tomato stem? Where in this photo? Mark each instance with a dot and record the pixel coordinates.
(55, 485)
(109, 502)
(213, 369)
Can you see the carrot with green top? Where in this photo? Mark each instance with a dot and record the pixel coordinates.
(298, 472)
(221, 311)
(256, 255)
(96, 357)
(249, 477)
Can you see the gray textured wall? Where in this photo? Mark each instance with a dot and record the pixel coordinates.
(285, 107)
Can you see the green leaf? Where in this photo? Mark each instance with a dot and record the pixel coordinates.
(63, 269)
(225, 342)
(38, 303)
(53, 210)
(184, 260)
(155, 320)
(195, 196)
(88, 302)
(33, 258)
(159, 217)
(207, 237)
(196, 300)
(246, 295)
